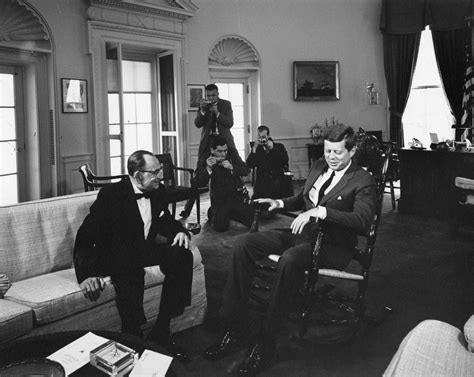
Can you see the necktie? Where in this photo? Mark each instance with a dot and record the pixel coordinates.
(213, 123)
(146, 195)
(325, 186)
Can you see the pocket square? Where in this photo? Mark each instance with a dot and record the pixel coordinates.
(339, 197)
(161, 214)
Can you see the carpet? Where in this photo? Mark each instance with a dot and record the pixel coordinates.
(417, 270)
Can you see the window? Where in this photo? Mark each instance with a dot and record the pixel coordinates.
(427, 109)
(130, 98)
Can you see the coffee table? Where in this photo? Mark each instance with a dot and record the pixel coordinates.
(44, 345)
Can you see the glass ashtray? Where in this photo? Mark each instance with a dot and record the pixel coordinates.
(113, 358)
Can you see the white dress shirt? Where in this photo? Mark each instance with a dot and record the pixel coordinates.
(144, 206)
(314, 191)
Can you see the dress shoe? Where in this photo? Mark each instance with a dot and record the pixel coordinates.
(185, 213)
(172, 347)
(260, 357)
(221, 348)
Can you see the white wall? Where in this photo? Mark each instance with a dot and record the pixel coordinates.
(284, 31)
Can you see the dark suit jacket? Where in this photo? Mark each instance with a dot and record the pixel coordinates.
(224, 182)
(111, 241)
(225, 121)
(270, 179)
(350, 204)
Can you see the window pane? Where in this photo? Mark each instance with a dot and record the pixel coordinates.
(114, 129)
(144, 137)
(9, 189)
(115, 167)
(143, 108)
(114, 148)
(7, 124)
(129, 108)
(7, 94)
(238, 117)
(130, 138)
(114, 110)
(427, 110)
(8, 157)
(169, 146)
(136, 76)
(236, 94)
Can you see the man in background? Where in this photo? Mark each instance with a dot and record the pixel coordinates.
(224, 169)
(270, 160)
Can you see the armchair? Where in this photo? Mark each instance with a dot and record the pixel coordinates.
(92, 181)
(464, 208)
(177, 192)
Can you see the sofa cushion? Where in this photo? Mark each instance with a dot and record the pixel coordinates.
(57, 295)
(37, 237)
(15, 320)
(54, 296)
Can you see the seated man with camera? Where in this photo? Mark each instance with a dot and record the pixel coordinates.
(271, 161)
(229, 199)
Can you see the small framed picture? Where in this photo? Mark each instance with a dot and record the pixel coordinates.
(195, 95)
(316, 81)
(74, 95)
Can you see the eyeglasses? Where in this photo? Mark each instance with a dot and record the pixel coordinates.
(154, 173)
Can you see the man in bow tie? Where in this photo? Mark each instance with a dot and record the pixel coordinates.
(338, 193)
(128, 228)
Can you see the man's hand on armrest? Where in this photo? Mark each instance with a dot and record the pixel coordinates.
(274, 204)
(92, 286)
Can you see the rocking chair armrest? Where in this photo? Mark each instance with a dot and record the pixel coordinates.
(189, 170)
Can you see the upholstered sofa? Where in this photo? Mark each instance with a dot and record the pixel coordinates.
(36, 246)
(435, 348)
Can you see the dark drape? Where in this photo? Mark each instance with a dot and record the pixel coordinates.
(401, 23)
(400, 54)
(450, 50)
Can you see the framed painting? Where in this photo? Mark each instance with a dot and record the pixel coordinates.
(195, 95)
(316, 81)
(74, 94)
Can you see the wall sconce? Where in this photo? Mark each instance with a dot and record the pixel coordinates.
(372, 94)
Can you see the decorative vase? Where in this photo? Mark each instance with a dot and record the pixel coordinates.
(4, 284)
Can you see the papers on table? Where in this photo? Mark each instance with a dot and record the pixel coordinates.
(77, 354)
(152, 364)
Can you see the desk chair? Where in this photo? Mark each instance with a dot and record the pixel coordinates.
(93, 182)
(177, 192)
(354, 308)
(464, 208)
(393, 173)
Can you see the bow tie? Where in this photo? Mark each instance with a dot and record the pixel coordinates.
(146, 195)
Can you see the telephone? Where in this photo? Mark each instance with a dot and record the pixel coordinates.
(415, 144)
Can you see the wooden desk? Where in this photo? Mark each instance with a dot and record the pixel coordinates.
(427, 180)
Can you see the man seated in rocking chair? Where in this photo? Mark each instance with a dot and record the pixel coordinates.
(338, 193)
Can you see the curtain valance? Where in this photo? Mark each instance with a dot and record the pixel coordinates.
(412, 16)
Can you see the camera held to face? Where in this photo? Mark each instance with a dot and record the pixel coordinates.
(207, 104)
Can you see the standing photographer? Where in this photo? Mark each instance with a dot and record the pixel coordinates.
(224, 169)
(271, 161)
(215, 117)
